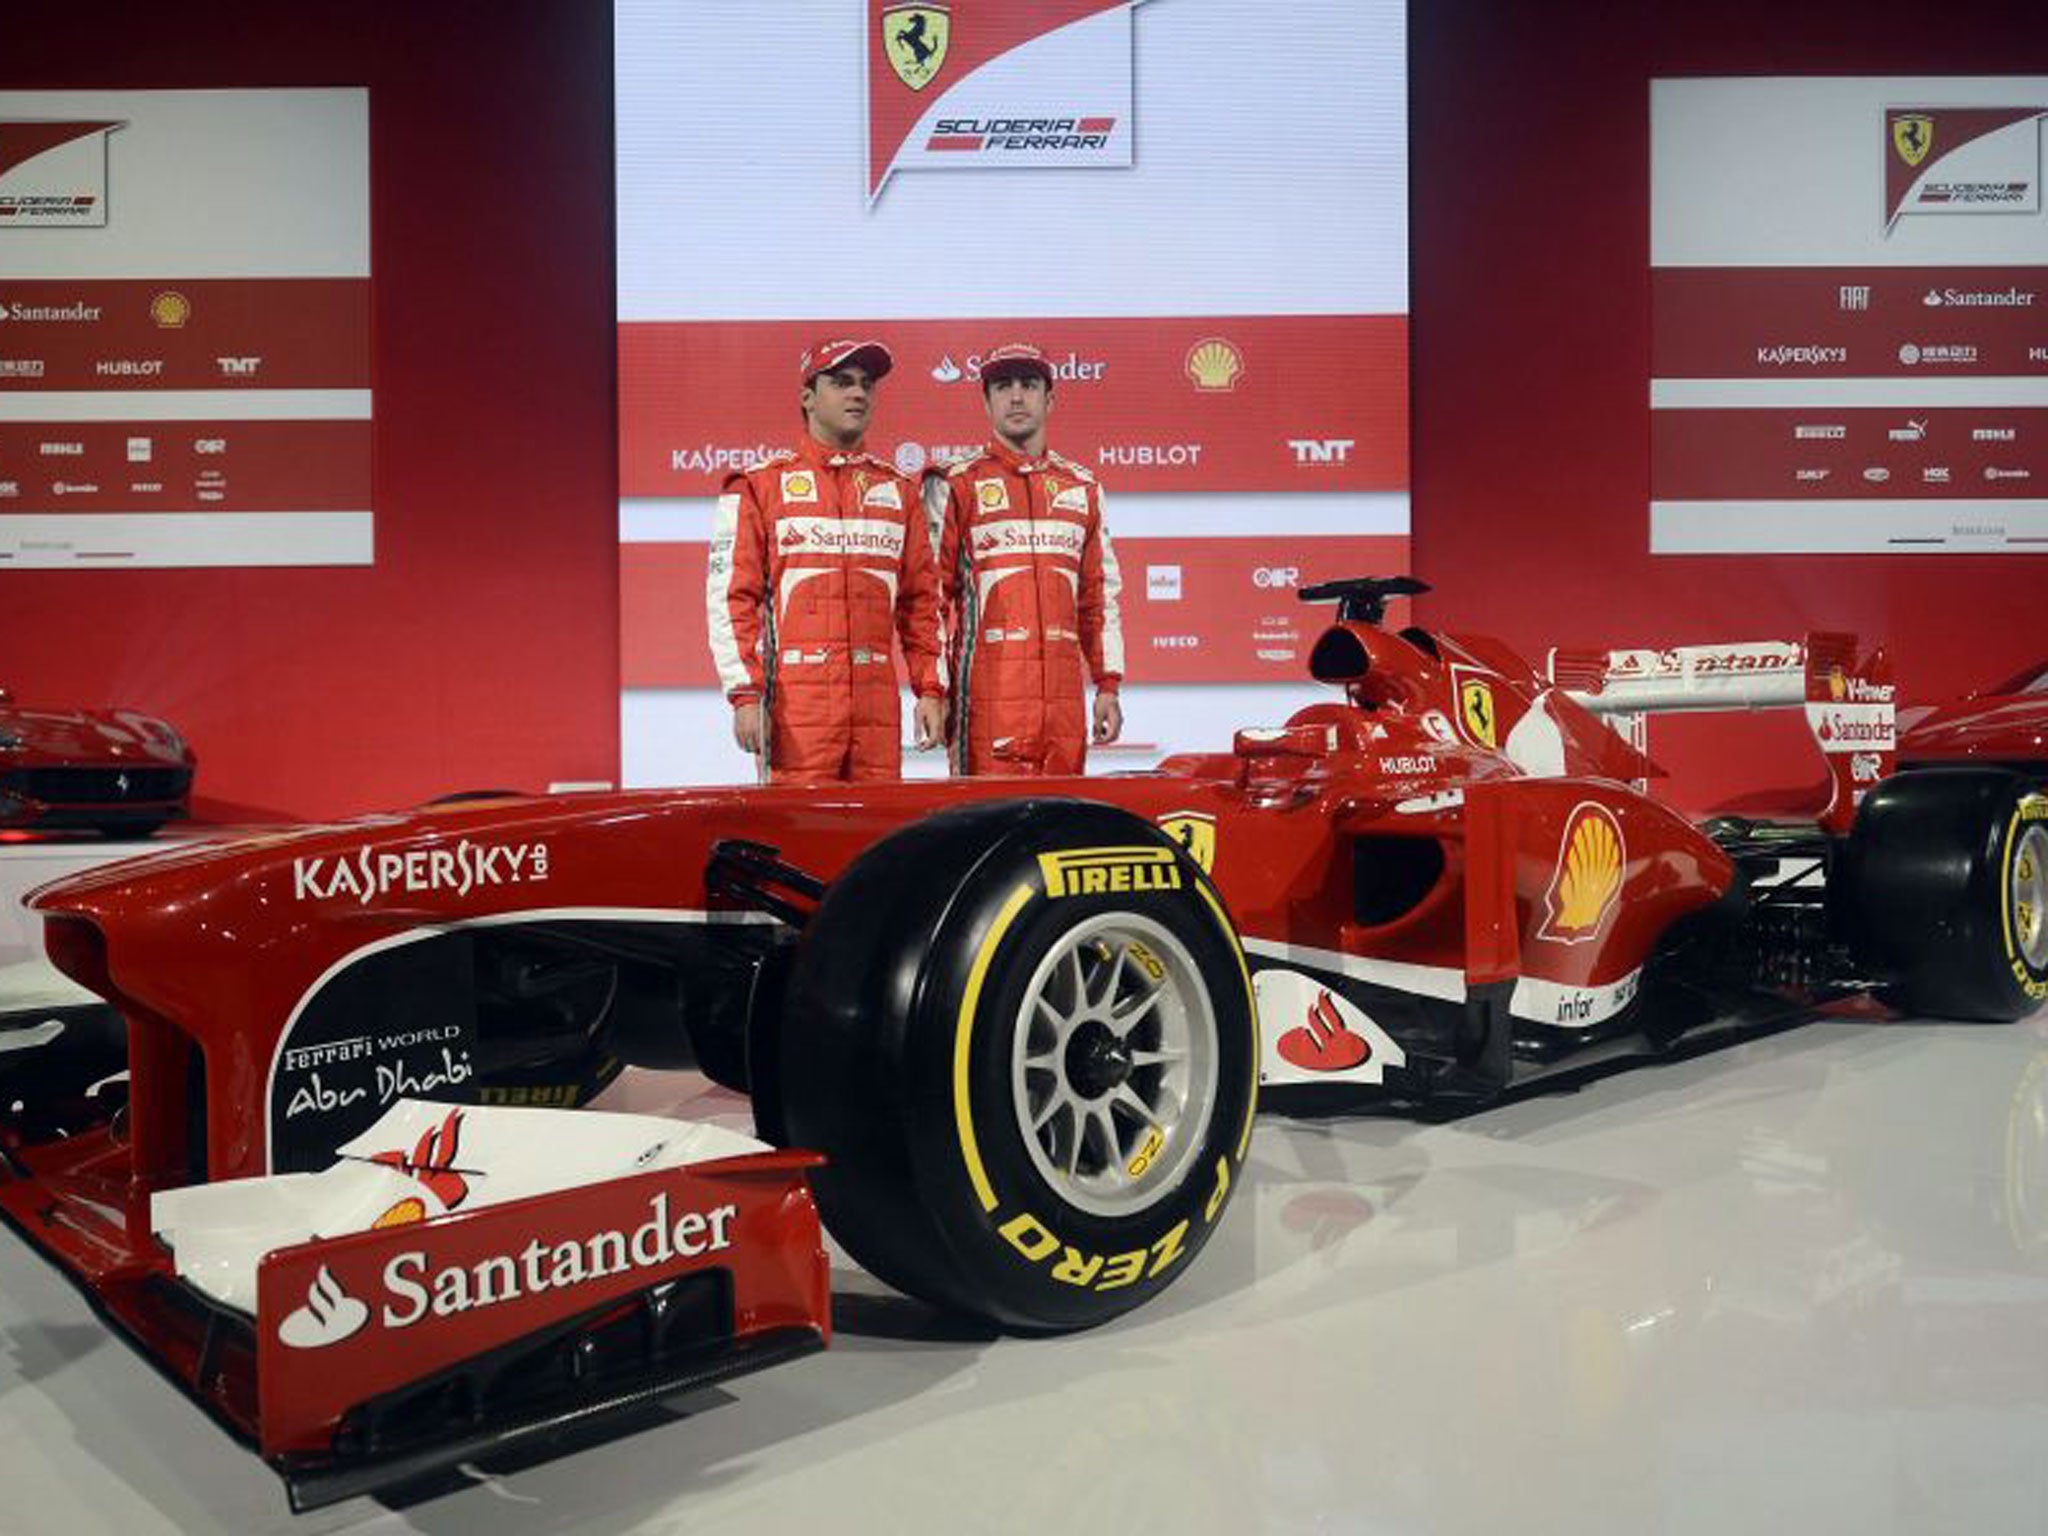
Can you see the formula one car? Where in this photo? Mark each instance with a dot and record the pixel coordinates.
(114, 771)
(1022, 1022)
(2005, 726)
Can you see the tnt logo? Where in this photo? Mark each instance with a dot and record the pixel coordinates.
(1322, 450)
(239, 367)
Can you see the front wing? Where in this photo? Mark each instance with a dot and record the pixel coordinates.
(376, 1357)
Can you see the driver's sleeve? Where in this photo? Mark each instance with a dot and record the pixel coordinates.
(917, 608)
(1102, 620)
(735, 587)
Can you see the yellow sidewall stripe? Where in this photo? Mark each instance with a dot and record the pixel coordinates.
(1251, 1001)
(963, 1042)
(2020, 818)
(2012, 842)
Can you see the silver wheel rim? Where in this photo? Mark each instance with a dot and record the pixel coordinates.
(1114, 1064)
(2029, 895)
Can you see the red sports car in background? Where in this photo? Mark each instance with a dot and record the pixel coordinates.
(2006, 726)
(115, 771)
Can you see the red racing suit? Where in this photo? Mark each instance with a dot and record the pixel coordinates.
(1033, 609)
(818, 557)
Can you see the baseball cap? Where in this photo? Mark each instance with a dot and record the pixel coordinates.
(839, 351)
(1014, 358)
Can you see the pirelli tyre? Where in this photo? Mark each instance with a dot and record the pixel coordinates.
(1944, 885)
(1023, 1035)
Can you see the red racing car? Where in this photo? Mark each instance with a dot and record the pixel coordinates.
(114, 771)
(2005, 726)
(1024, 1024)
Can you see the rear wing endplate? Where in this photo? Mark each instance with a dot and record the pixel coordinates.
(1849, 700)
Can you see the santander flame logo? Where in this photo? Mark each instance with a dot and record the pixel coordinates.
(329, 1315)
(1324, 1043)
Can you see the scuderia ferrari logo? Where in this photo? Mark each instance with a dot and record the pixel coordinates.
(914, 41)
(1196, 832)
(1913, 136)
(1475, 708)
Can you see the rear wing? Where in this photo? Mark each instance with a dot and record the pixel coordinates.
(1849, 700)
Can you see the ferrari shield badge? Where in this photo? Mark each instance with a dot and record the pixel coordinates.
(1475, 708)
(1913, 136)
(914, 40)
(1196, 832)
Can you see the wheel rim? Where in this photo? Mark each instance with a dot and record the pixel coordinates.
(2029, 896)
(1114, 1064)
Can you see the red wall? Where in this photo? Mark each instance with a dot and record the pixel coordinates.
(1530, 238)
(482, 648)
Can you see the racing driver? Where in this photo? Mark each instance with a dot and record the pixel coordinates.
(1031, 587)
(818, 554)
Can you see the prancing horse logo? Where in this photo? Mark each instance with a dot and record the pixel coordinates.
(1913, 136)
(914, 39)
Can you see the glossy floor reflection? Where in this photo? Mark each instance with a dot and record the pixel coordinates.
(1801, 1284)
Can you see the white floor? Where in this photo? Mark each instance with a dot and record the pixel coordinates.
(1797, 1285)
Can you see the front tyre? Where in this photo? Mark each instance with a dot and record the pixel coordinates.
(1946, 885)
(1023, 1035)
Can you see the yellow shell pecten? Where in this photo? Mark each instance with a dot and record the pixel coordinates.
(1214, 365)
(1592, 873)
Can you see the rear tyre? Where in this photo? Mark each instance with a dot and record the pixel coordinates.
(1034, 1091)
(1945, 889)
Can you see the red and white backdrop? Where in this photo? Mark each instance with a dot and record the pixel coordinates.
(1533, 301)
(1849, 294)
(481, 646)
(1215, 258)
(184, 346)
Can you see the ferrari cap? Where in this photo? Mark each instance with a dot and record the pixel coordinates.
(1014, 359)
(824, 356)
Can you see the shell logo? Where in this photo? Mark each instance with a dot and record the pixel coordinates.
(1838, 685)
(1214, 364)
(170, 309)
(799, 487)
(993, 496)
(1591, 859)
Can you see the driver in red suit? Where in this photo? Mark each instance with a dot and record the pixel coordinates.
(820, 557)
(1032, 588)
